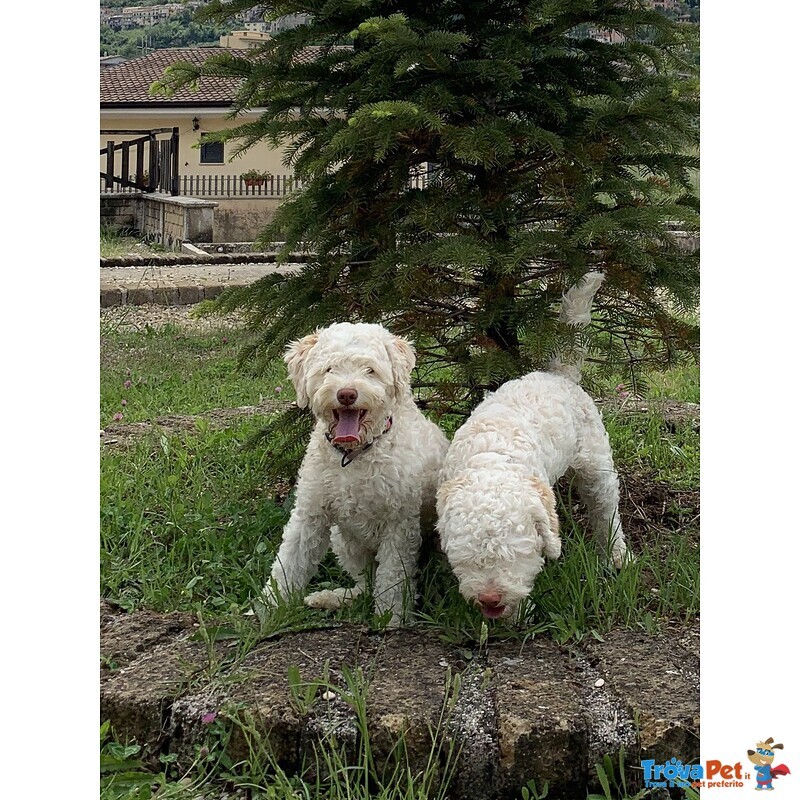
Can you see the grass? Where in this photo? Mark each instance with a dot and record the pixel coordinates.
(115, 243)
(169, 370)
(189, 522)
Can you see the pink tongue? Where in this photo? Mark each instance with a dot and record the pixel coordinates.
(492, 612)
(347, 428)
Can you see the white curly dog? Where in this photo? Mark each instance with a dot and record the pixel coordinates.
(367, 484)
(496, 509)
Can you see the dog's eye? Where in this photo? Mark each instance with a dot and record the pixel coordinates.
(329, 369)
(370, 371)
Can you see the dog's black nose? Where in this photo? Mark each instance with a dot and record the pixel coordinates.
(347, 396)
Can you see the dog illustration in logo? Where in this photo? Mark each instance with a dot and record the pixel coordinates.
(762, 757)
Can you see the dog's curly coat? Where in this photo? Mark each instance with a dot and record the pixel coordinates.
(368, 480)
(497, 512)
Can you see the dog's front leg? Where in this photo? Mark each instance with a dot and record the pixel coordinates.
(306, 538)
(395, 573)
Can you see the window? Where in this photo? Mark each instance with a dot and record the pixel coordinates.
(211, 152)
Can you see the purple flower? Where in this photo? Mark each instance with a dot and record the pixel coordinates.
(127, 384)
(619, 387)
(123, 402)
(278, 389)
(208, 718)
(118, 416)
(624, 395)
(224, 340)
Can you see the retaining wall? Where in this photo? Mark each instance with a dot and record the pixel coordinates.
(161, 218)
(532, 710)
(241, 219)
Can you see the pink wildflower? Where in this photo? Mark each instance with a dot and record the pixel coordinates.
(224, 340)
(117, 416)
(123, 402)
(127, 384)
(208, 718)
(278, 389)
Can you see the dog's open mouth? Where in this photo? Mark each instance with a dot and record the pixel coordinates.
(492, 612)
(347, 428)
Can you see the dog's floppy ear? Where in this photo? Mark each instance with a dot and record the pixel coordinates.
(403, 358)
(548, 531)
(295, 358)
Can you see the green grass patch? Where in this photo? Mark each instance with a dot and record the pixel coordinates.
(173, 370)
(117, 243)
(191, 522)
(648, 444)
(186, 519)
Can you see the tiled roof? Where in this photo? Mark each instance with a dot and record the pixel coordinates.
(129, 84)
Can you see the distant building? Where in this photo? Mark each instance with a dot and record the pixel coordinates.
(606, 35)
(289, 21)
(126, 104)
(139, 16)
(666, 5)
(243, 40)
(111, 61)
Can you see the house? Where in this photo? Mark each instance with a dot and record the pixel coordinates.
(208, 171)
(111, 61)
(139, 16)
(126, 104)
(246, 39)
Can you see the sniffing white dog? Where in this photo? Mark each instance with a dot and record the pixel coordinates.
(368, 480)
(496, 509)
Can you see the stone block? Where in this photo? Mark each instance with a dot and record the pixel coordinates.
(188, 295)
(166, 295)
(542, 729)
(140, 295)
(210, 292)
(410, 678)
(659, 682)
(112, 297)
(138, 698)
(260, 697)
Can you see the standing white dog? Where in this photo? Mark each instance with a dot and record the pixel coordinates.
(496, 508)
(368, 479)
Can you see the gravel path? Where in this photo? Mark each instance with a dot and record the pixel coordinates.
(133, 318)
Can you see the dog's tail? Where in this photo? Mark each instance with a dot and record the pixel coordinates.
(576, 311)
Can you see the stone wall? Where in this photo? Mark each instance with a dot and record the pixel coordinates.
(241, 219)
(166, 220)
(118, 211)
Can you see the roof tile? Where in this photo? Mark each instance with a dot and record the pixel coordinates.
(129, 83)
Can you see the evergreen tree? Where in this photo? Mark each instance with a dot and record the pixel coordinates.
(546, 153)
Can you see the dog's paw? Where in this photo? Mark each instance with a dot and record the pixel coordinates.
(332, 599)
(268, 597)
(621, 556)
